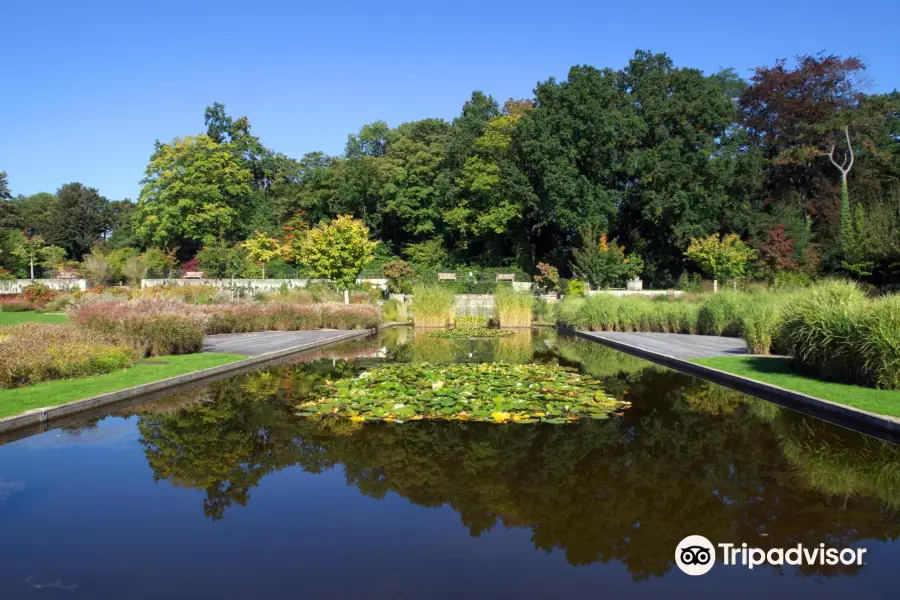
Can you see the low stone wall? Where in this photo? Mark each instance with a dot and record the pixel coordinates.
(637, 292)
(230, 284)
(474, 305)
(251, 284)
(14, 286)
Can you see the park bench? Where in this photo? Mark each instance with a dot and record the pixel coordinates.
(193, 275)
(446, 276)
(506, 276)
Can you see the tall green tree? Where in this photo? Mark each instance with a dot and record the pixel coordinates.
(82, 219)
(195, 191)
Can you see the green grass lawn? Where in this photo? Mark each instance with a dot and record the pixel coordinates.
(17, 318)
(779, 371)
(51, 393)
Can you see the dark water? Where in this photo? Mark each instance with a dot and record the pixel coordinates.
(221, 492)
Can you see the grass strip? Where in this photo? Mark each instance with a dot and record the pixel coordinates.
(17, 318)
(779, 371)
(52, 393)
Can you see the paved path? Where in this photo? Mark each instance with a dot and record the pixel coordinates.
(261, 342)
(679, 345)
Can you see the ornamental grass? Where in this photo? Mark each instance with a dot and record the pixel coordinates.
(288, 316)
(835, 332)
(152, 326)
(512, 308)
(36, 352)
(432, 306)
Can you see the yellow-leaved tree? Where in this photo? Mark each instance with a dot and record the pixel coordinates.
(262, 250)
(337, 251)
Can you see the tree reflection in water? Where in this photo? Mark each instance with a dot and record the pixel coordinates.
(687, 457)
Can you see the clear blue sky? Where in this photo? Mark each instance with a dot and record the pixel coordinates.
(88, 86)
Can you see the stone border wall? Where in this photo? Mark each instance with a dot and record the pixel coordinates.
(14, 286)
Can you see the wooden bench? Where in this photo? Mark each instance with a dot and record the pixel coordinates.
(446, 276)
(193, 275)
(506, 277)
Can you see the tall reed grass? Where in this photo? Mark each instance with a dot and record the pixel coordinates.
(512, 308)
(432, 306)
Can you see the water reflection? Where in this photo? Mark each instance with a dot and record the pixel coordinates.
(687, 457)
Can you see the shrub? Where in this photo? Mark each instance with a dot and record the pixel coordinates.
(879, 344)
(38, 294)
(575, 287)
(432, 306)
(548, 280)
(153, 326)
(511, 308)
(37, 352)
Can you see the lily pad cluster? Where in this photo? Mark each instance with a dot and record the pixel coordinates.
(485, 392)
(469, 332)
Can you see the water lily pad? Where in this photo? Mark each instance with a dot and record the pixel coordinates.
(470, 333)
(494, 393)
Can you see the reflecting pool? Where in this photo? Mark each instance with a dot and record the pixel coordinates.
(223, 492)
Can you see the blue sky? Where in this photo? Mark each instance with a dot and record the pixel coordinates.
(88, 86)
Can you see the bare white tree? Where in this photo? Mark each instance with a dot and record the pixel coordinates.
(845, 166)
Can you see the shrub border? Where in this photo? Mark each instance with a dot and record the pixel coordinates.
(38, 420)
(880, 426)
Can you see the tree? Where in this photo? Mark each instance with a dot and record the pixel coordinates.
(9, 214)
(337, 251)
(604, 264)
(52, 258)
(97, 267)
(787, 111)
(844, 167)
(720, 257)
(776, 253)
(263, 250)
(81, 219)
(30, 247)
(38, 213)
(856, 247)
(5, 194)
(548, 280)
(398, 274)
(194, 190)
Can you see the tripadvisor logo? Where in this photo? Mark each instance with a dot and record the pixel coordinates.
(696, 555)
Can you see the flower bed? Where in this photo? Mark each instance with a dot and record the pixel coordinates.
(466, 392)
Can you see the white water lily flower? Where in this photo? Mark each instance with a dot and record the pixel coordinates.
(437, 385)
(399, 405)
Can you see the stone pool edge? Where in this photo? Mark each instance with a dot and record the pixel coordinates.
(37, 417)
(863, 421)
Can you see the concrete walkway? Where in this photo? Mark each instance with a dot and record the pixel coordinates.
(263, 342)
(679, 345)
